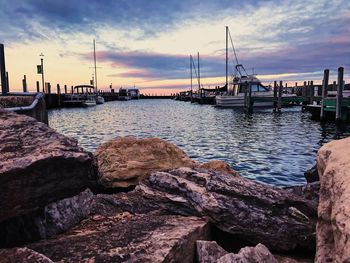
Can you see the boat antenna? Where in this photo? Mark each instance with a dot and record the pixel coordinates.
(194, 67)
(95, 66)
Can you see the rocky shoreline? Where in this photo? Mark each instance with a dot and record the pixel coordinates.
(145, 200)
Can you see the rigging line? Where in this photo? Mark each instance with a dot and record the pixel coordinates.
(233, 47)
(195, 71)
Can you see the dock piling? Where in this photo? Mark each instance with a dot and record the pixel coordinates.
(24, 84)
(312, 92)
(37, 86)
(274, 96)
(338, 111)
(324, 90)
(65, 89)
(279, 101)
(4, 87)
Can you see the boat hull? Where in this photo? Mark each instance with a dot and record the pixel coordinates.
(237, 101)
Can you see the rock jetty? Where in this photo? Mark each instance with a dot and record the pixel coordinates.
(176, 210)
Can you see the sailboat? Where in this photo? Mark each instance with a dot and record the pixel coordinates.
(99, 99)
(241, 82)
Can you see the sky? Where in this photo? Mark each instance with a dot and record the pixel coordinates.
(147, 43)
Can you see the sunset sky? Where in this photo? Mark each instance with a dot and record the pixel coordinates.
(147, 43)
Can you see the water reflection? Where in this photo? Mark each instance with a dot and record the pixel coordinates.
(273, 148)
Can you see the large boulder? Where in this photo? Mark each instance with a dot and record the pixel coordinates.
(333, 227)
(257, 213)
(127, 238)
(124, 162)
(38, 166)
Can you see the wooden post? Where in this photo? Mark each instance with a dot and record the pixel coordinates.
(303, 93)
(24, 83)
(334, 88)
(4, 87)
(275, 96)
(312, 92)
(71, 89)
(339, 93)
(279, 102)
(245, 96)
(58, 89)
(49, 88)
(7, 82)
(65, 89)
(324, 87)
(37, 86)
(250, 102)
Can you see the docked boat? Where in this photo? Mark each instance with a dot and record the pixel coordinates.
(82, 96)
(134, 93)
(123, 94)
(240, 84)
(100, 100)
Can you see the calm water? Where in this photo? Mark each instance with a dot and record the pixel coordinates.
(269, 147)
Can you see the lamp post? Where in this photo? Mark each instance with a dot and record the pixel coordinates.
(42, 71)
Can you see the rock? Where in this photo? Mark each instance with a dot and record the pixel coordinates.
(219, 166)
(124, 162)
(258, 254)
(132, 202)
(22, 255)
(309, 191)
(236, 205)
(333, 227)
(53, 219)
(127, 238)
(38, 166)
(209, 251)
(311, 175)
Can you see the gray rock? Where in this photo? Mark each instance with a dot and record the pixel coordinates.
(209, 251)
(22, 255)
(38, 166)
(128, 238)
(53, 219)
(258, 254)
(258, 213)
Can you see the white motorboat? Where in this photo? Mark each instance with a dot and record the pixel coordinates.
(241, 84)
(100, 100)
(82, 96)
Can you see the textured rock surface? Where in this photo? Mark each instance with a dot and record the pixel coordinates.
(38, 166)
(53, 219)
(309, 191)
(124, 162)
(258, 213)
(333, 227)
(209, 251)
(127, 238)
(22, 255)
(219, 166)
(258, 254)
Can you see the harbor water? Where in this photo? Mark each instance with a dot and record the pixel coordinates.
(273, 148)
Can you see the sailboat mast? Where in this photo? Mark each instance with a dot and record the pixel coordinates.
(191, 73)
(95, 66)
(227, 57)
(199, 74)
